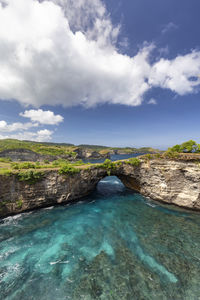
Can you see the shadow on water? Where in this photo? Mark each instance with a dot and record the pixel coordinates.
(115, 245)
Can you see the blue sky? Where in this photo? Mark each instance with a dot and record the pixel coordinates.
(118, 73)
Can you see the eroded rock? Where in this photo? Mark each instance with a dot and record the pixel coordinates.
(172, 182)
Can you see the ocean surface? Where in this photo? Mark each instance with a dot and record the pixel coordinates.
(113, 157)
(114, 244)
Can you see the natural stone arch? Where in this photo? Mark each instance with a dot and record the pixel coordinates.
(173, 182)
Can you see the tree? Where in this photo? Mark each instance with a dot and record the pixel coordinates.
(176, 148)
(189, 146)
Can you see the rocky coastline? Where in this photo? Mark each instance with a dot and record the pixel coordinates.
(22, 154)
(168, 181)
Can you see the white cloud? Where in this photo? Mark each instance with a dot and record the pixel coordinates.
(43, 135)
(64, 52)
(170, 26)
(152, 101)
(39, 136)
(21, 131)
(177, 75)
(90, 17)
(5, 127)
(43, 117)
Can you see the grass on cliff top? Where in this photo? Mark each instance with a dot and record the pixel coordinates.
(41, 148)
(63, 166)
(64, 149)
(9, 168)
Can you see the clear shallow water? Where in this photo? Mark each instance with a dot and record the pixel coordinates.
(117, 245)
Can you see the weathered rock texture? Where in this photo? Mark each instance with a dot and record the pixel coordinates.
(17, 196)
(29, 155)
(173, 182)
(85, 153)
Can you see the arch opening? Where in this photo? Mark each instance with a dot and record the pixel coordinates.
(110, 185)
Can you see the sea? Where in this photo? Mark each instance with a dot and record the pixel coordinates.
(114, 244)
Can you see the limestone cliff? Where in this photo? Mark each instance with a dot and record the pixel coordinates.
(17, 196)
(22, 154)
(174, 182)
(86, 153)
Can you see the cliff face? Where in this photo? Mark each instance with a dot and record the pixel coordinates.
(17, 196)
(29, 155)
(172, 182)
(84, 153)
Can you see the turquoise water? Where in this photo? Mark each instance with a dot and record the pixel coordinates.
(114, 245)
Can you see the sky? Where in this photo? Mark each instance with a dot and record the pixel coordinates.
(115, 73)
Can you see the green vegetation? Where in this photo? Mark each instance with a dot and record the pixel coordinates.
(46, 161)
(5, 159)
(108, 165)
(41, 148)
(27, 171)
(186, 147)
(68, 170)
(171, 154)
(37, 165)
(19, 203)
(61, 150)
(134, 161)
(5, 171)
(30, 176)
(24, 165)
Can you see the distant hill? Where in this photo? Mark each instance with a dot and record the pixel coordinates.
(49, 148)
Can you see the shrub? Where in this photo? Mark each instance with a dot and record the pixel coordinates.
(19, 203)
(24, 165)
(6, 172)
(187, 147)
(31, 177)
(78, 163)
(59, 162)
(108, 165)
(171, 154)
(158, 155)
(5, 159)
(176, 148)
(67, 169)
(134, 161)
(118, 164)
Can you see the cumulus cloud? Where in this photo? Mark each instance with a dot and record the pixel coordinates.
(5, 127)
(180, 75)
(43, 117)
(64, 52)
(91, 18)
(152, 101)
(39, 136)
(22, 131)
